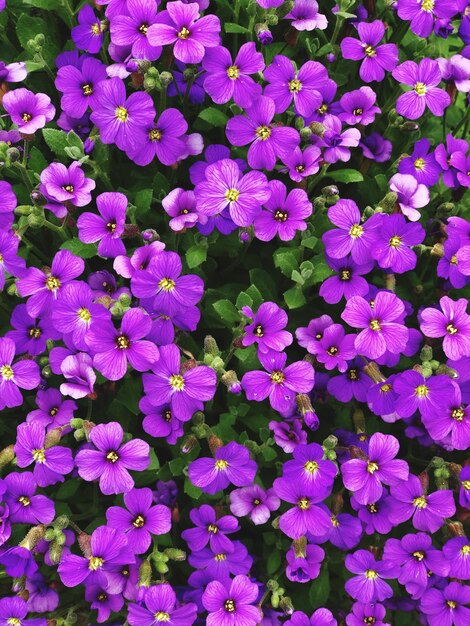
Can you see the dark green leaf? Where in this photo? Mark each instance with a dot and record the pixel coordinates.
(346, 176)
(213, 116)
(56, 140)
(83, 250)
(227, 312)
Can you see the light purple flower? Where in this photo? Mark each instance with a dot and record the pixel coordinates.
(424, 79)
(377, 59)
(29, 111)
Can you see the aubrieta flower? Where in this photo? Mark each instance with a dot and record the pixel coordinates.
(447, 605)
(24, 505)
(184, 390)
(51, 462)
(461, 164)
(421, 164)
(113, 348)
(88, 35)
(53, 410)
(180, 24)
(366, 614)
(267, 328)
(160, 605)
(181, 206)
(456, 552)
(288, 435)
(109, 459)
(223, 564)
(335, 348)
(352, 384)
(132, 29)
(347, 282)
(227, 79)
(30, 334)
(424, 394)
(374, 515)
(103, 602)
(358, 107)
(284, 213)
(452, 323)
(14, 610)
(23, 374)
(13, 72)
(368, 584)
(424, 79)
(351, 236)
(310, 468)
(107, 227)
(254, 502)
(29, 111)
(305, 16)
(268, 141)
(118, 117)
(210, 530)
(231, 465)
(376, 148)
(279, 383)
(60, 184)
(301, 164)
(285, 85)
(77, 369)
(381, 321)
(464, 493)
(411, 195)
(394, 239)
(163, 138)
(78, 85)
(377, 59)
(225, 187)
(232, 602)
(303, 564)
(444, 154)
(8, 204)
(422, 14)
(365, 476)
(139, 520)
(336, 141)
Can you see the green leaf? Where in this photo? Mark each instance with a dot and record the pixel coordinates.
(243, 300)
(230, 27)
(346, 176)
(227, 312)
(27, 27)
(320, 589)
(56, 140)
(37, 162)
(294, 298)
(309, 242)
(254, 293)
(83, 250)
(191, 490)
(154, 462)
(143, 202)
(196, 255)
(286, 261)
(297, 277)
(273, 562)
(68, 489)
(264, 284)
(176, 466)
(213, 116)
(321, 272)
(74, 140)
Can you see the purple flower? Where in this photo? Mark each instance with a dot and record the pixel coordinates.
(45, 287)
(88, 35)
(304, 565)
(221, 565)
(181, 206)
(141, 520)
(108, 550)
(428, 511)
(377, 59)
(254, 502)
(456, 552)
(78, 85)
(335, 348)
(394, 239)
(365, 477)
(285, 214)
(305, 516)
(351, 237)
(461, 164)
(107, 227)
(423, 13)
(421, 165)
(24, 505)
(181, 25)
(366, 614)
(10, 262)
(446, 606)
(424, 394)
(184, 390)
(227, 79)
(321, 617)
(279, 382)
(51, 463)
(231, 602)
(336, 141)
(14, 611)
(308, 467)
(288, 435)
(452, 323)
(118, 117)
(210, 530)
(132, 29)
(113, 348)
(359, 107)
(348, 281)
(225, 187)
(305, 16)
(30, 334)
(78, 371)
(424, 79)
(103, 602)
(172, 293)
(139, 259)
(457, 70)
(444, 155)
(29, 111)
(285, 85)
(41, 596)
(15, 376)
(352, 384)
(411, 195)
(376, 148)
(464, 494)
(368, 584)
(13, 72)
(60, 184)
(381, 321)
(268, 141)
(267, 328)
(231, 465)
(53, 411)
(109, 459)
(159, 421)
(160, 605)
(300, 164)
(374, 515)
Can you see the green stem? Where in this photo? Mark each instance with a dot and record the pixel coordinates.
(56, 229)
(35, 250)
(24, 175)
(25, 153)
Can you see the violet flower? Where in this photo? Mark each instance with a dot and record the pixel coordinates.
(107, 227)
(15, 376)
(424, 79)
(230, 600)
(377, 59)
(254, 502)
(29, 111)
(368, 584)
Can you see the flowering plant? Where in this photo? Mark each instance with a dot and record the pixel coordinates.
(235, 346)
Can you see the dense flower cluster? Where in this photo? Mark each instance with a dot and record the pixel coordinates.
(286, 180)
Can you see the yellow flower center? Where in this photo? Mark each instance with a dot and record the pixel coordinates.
(87, 89)
(258, 331)
(155, 134)
(465, 550)
(121, 114)
(68, 188)
(184, 33)
(143, 28)
(427, 5)
(52, 283)
(232, 195)
(304, 504)
(419, 556)
(419, 164)
(263, 133)
(221, 464)
(95, 563)
(13, 621)
(421, 391)
(466, 485)
(24, 500)
(369, 51)
(7, 372)
(372, 508)
(334, 521)
(371, 574)
(122, 342)
(220, 557)
(420, 89)
(277, 377)
(212, 528)
(450, 328)
(356, 231)
(358, 111)
(138, 522)
(332, 350)
(177, 382)
(111, 227)
(112, 456)
(395, 241)
(167, 415)
(345, 275)
(96, 29)
(26, 117)
(372, 467)
(352, 374)
(453, 260)
(420, 502)
(229, 606)
(311, 467)
(167, 284)
(295, 85)
(385, 388)
(34, 333)
(39, 456)
(458, 414)
(281, 216)
(84, 314)
(161, 616)
(323, 109)
(233, 72)
(451, 604)
(374, 325)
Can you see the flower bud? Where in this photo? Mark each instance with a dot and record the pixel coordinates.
(409, 127)
(317, 129)
(263, 33)
(231, 381)
(198, 419)
(300, 547)
(373, 372)
(23, 209)
(13, 154)
(188, 444)
(244, 236)
(426, 353)
(150, 235)
(330, 190)
(33, 537)
(76, 422)
(175, 555)
(215, 443)
(61, 522)
(166, 78)
(330, 57)
(6, 456)
(305, 132)
(330, 442)
(286, 605)
(210, 346)
(145, 574)
(36, 220)
(53, 437)
(388, 202)
(84, 541)
(455, 529)
(55, 551)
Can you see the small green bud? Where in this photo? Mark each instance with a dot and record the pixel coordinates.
(166, 78)
(175, 555)
(330, 442)
(46, 371)
(426, 353)
(36, 220)
(210, 346)
(13, 154)
(125, 300)
(388, 202)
